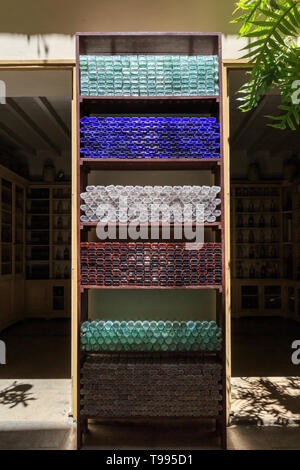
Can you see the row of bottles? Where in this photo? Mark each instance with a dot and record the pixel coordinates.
(252, 236)
(256, 191)
(257, 251)
(62, 206)
(256, 221)
(62, 193)
(257, 270)
(61, 222)
(150, 336)
(62, 254)
(61, 238)
(41, 222)
(256, 206)
(62, 272)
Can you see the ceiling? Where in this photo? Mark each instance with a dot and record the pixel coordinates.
(36, 117)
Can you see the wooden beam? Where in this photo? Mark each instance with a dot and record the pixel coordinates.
(48, 109)
(74, 265)
(22, 115)
(59, 64)
(17, 139)
(227, 259)
(237, 64)
(248, 120)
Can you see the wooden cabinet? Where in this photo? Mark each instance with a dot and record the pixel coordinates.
(12, 242)
(48, 250)
(35, 249)
(12, 221)
(48, 232)
(265, 249)
(47, 299)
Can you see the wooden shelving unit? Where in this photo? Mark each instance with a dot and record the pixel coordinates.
(27, 249)
(48, 248)
(12, 246)
(265, 255)
(48, 229)
(150, 43)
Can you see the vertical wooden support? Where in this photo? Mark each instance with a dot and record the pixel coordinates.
(226, 182)
(74, 269)
(51, 241)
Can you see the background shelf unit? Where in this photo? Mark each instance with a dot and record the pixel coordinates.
(265, 255)
(48, 249)
(48, 227)
(23, 249)
(156, 43)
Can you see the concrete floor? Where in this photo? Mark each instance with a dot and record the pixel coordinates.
(263, 438)
(35, 414)
(35, 387)
(261, 347)
(151, 434)
(188, 436)
(265, 400)
(37, 349)
(263, 391)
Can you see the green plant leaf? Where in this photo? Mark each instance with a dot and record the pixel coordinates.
(290, 123)
(270, 13)
(257, 33)
(274, 54)
(253, 44)
(296, 116)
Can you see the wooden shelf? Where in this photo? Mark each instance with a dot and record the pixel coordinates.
(216, 225)
(150, 98)
(176, 43)
(99, 164)
(271, 196)
(258, 259)
(255, 212)
(258, 243)
(213, 355)
(45, 214)
(218, 417)
(256, 227)
(204, 287)
(199, 105)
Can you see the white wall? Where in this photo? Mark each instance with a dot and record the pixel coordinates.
(45, 30)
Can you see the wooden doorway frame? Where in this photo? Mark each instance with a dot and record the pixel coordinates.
(228, 65)
(25, 65)
(70, 65)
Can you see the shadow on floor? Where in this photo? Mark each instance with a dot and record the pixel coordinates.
(16, 394)
(265, 400)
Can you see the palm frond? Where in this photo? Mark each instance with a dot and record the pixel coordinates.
(271, 27)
